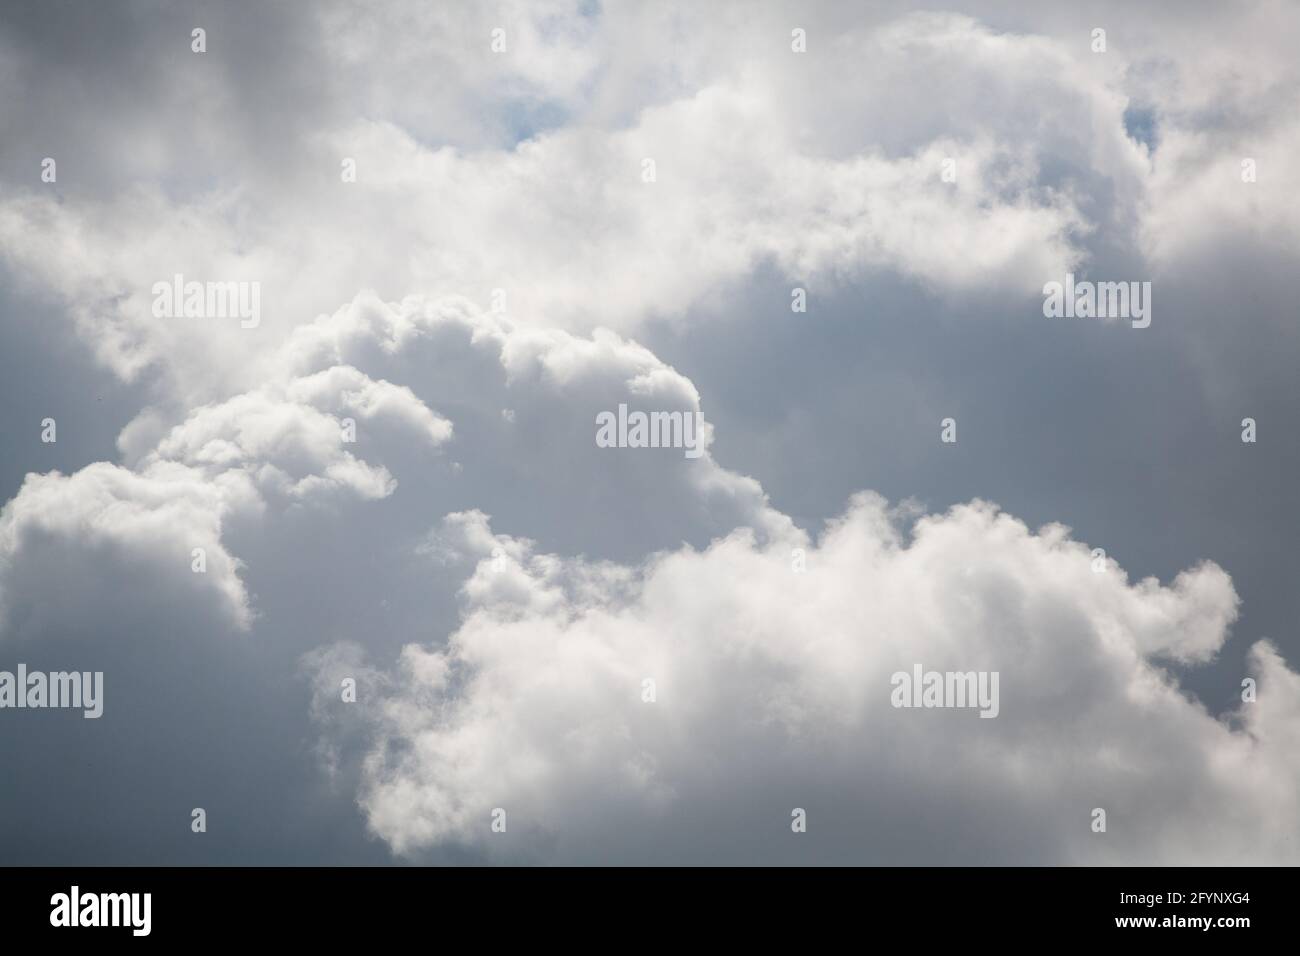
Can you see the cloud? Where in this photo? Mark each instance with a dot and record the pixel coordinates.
(320, 432)
(293, 437)
(558, 215)
(286, 442)
(500, 661)
(769, 681)
(309, 539)
(524, 401)
(125, 540)
(567, 225)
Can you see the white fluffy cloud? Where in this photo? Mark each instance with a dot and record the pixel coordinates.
(294, 437)
(111, 541)
(773, 681)
(288, 442)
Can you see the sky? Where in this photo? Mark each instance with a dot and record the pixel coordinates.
(436, 622)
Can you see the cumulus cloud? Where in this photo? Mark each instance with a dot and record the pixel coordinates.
(772, 681)
(287, 442)
(524, 401)
(110, 530)
(766, 678)
(293, 437)
(320, 431)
